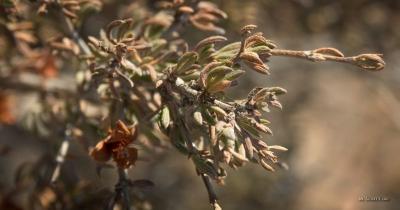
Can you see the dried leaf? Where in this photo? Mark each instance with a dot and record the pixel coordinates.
(266, 166)
(198, 118)
(329, 51)
(208, 41)
(165, 117)
(277, 147)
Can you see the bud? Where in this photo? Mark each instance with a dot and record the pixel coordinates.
(370, 62)
(252, 60)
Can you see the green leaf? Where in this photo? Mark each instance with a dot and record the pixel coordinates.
(234, 75)
(185, 62)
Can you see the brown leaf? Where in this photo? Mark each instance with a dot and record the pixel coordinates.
(6, 103)
(116, 145)
(329, 51)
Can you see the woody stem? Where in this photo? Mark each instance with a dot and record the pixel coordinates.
(121, 191)
(308, 56)
(62, 153)
(210, 190)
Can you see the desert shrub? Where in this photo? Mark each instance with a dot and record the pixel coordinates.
(137, 88)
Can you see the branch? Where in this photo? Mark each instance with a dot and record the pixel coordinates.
(121, 191)
(28, 82)
(62, 153)
(180, 19)
(184, 89)
(211, 193)
(75, 35)
(370, 62)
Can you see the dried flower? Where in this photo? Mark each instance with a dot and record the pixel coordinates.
(117, 145)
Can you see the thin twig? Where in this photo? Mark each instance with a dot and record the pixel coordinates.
(63, 150)
(75, 35)
(121, 192)
(212, 196)
(62, 153)
(28, 82)
(123, 184)
(180, 19)
(371, 62)
(309, 55)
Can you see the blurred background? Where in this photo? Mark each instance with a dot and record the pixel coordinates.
(341, 124)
